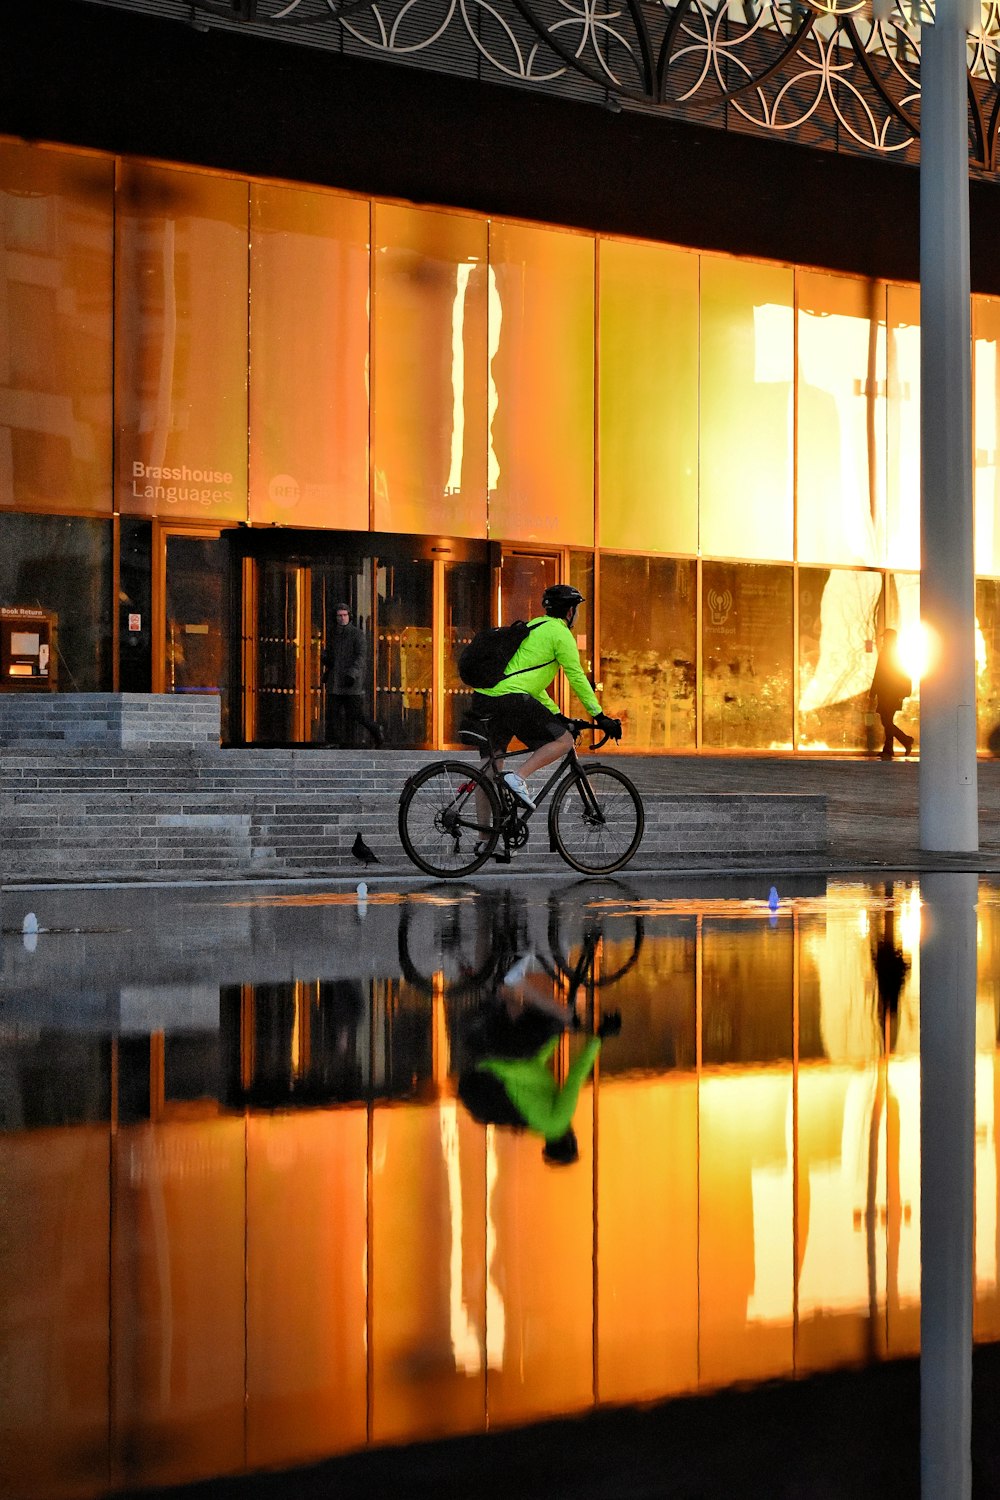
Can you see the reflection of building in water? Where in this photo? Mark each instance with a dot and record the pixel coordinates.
(307, 1236)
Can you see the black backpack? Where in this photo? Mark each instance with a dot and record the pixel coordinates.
(482, 663)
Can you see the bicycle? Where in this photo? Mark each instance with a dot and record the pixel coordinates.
(452, 816)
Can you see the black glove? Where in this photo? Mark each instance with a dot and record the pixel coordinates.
(611, 727)
(610, 1024)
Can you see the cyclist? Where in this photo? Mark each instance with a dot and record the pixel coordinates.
(519, 704)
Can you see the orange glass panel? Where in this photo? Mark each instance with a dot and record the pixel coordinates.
(308, 359)
(541, 385)
(841, 417)
(903, 455)
(986, 431)
(747, 357)
(540, 1318)
(428, 1257)
(54, 1311)
(647, 1239)
(306, 1288)
(429, 372)
(178, 1292)
(648, 396)
(56, 300)
(181, 344)
(746, 1264)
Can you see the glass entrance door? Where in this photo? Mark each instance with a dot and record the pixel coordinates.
(524, 577)
(196, 620)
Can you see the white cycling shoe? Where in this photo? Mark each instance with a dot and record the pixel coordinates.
(519, 787)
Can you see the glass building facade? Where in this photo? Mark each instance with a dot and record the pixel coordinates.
(227, 405)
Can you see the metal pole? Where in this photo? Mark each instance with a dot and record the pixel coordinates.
(947, 1142)
(949, 810)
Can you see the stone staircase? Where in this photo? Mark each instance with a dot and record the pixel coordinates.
(111, 787)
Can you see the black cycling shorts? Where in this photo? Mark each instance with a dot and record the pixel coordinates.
(513, 716)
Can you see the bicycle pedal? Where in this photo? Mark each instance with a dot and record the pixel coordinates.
(502, 859)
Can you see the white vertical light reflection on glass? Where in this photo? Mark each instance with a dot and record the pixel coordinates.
(465, 1343)
(462, 274)
(494, 323)
(496, 1318)
(845, 665)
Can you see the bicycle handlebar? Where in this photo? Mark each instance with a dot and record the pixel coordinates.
(577, 726)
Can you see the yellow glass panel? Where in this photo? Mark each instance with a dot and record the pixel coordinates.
(746, 1270)
(54, 1311)
(541, 400)
(306, 1292)
(647, 1238)
(178, 1302)
(903, 456)
(987, 1308)
(428, 1257)
(841, 419)
(540, 1324)
(56, 300)
(902, 614)
(648, 639)
(648, 397)
(902, 1206)
(429, 372)
(746, 678)
(986, 429)
(308, 359)
(747, 357)
(841, 1226)
(181, 344)
(988, 664)
(838, 630)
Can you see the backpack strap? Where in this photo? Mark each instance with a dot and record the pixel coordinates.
(520, 670)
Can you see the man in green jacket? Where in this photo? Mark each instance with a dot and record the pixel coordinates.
(519, 703)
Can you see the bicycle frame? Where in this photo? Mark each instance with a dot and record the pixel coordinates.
(515, 814)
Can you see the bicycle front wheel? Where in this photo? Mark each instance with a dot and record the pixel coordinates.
(449, 818)
(597, 830)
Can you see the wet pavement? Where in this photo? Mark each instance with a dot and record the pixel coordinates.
(303, 1174)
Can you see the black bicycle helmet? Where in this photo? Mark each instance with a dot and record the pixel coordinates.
(560, 598)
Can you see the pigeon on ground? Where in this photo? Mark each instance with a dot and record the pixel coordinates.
(361, 851)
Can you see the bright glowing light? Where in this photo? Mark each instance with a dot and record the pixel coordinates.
(909, 923)
(915, 647)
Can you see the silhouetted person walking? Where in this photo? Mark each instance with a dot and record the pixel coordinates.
(343, 672)
(890, 686)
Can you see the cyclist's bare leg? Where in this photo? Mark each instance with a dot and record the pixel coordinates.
(546, 754)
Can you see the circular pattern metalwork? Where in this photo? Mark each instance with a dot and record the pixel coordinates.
(825, 72)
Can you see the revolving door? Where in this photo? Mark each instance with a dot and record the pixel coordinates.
(415, 600)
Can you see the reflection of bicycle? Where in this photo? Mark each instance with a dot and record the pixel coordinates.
(452, 816)
(466, 947)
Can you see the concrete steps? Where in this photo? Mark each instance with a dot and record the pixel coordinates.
(94, 812)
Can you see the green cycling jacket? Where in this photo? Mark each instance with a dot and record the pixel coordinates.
(549, 647)
(545, 1107)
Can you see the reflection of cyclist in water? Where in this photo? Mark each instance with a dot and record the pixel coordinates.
(512, 1083)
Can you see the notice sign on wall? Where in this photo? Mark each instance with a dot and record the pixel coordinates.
(25, 647)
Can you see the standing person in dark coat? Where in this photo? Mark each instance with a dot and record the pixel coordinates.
(344, 672)
(890, 686)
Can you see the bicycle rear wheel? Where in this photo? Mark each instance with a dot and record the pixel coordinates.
(441, 826)
(599, 832)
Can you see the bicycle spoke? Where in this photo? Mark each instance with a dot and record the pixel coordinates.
(601, 832)
(440, 823)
